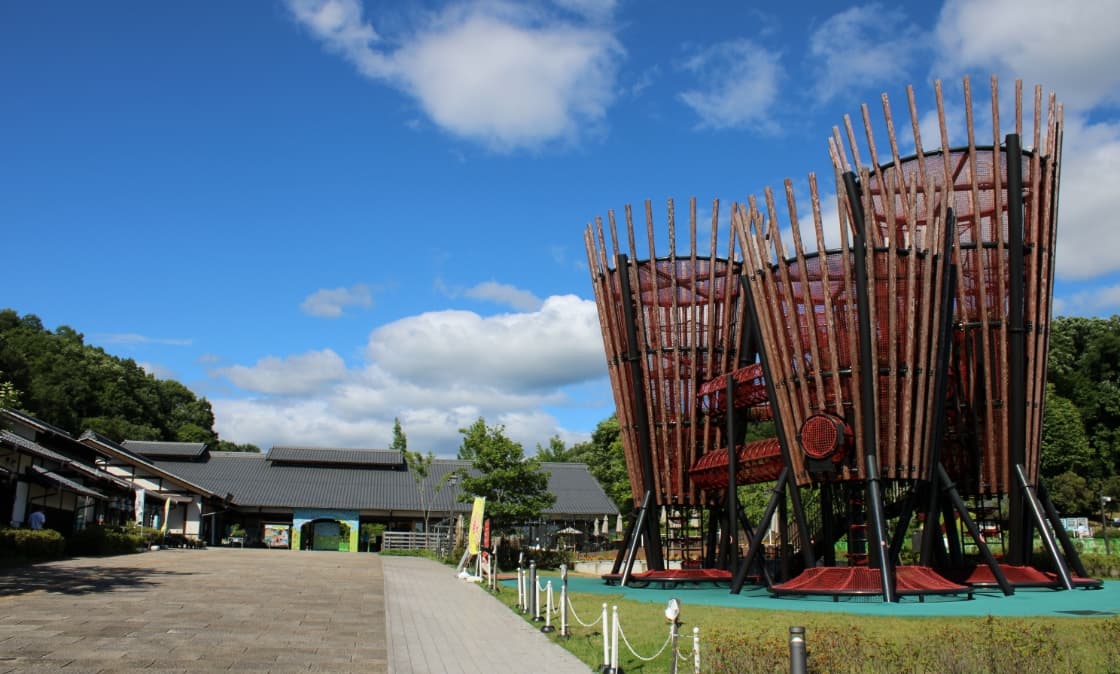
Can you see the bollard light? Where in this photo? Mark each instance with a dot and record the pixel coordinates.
(673, 614)
(673, 610)
(798, 658)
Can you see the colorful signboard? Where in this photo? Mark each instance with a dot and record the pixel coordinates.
(474, 540)
(277, 535)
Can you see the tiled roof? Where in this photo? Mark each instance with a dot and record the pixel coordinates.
(165, 450)
(38, 424)
(21, 443)
(335, 456)
(116, 452)
(255, 481)
(69, 484)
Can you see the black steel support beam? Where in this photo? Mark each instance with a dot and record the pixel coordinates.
(632, 549)
(732, 530)
(755, 549)
(779, 428)
(940, 386)
(878, 545)
(951, 489)
(1021, 537)
(1040, 520)
(1072, 557)
(828, 524)
(634, 354)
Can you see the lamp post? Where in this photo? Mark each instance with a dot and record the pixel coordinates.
(452, 481)
(1105, 500)
(673, 615)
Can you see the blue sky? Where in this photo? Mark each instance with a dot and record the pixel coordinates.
(324, 214)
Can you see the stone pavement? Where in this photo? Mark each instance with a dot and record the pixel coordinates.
(438, 623)
(259, 610)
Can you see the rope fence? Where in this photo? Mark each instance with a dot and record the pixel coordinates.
(531, 591)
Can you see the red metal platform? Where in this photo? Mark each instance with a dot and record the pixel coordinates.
(841, 581)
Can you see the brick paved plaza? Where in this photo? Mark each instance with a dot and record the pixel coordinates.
(261, 610)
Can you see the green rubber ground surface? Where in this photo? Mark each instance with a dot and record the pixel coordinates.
(1025, 601)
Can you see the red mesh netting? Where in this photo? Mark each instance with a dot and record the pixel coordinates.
(750, 391)
(822, 435)
(759, 461)
(681, 282)
(862, 580)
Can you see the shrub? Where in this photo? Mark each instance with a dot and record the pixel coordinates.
(1096, 565)
(31, 544)
(418, 552)
(548, 559)
(107, 540)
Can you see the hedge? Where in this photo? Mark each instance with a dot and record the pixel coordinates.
(31, 544)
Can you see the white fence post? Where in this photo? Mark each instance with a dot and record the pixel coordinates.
(606, 640)
(548, 609)
(521, 589)
(695, 650)
(564, 601)
(614, 640)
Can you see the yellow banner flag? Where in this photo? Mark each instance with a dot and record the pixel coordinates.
(474, 539)
(166, 514)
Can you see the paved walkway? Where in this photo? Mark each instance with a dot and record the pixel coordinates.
(438, 623)
(260, 610)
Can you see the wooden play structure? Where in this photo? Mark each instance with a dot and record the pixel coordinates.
(899, 352)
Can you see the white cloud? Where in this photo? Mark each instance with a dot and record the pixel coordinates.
(598, 10)
(1088, 203)
(738, 86)
(307, 422)
(499, 74)
(1071, 48)
(557, 345)
(437, 372)
(339, 25)
(1066, 45)
(131, 338)
(500, 293)
(156, 370)
(862, 46)
(1097, 302)
(330, 302)
(304, 373)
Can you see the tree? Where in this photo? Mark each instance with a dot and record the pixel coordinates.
(420, 467)
(227, 446)
(75, 386)
(556, 451)
(400, 441)
(515, 488)
(1064, 444)
(9, 396)
(606, 460)
(1084, 366)
(1071, 494)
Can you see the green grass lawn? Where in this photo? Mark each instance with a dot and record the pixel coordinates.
(743, 640)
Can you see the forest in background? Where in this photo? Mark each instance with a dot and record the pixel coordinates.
(57, 377)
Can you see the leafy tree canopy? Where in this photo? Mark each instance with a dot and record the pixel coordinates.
(1084, 367)
(59, 378)
(1071, 494)
(515, 487)
(1065, 447)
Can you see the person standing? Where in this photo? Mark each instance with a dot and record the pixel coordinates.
(37, 519)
